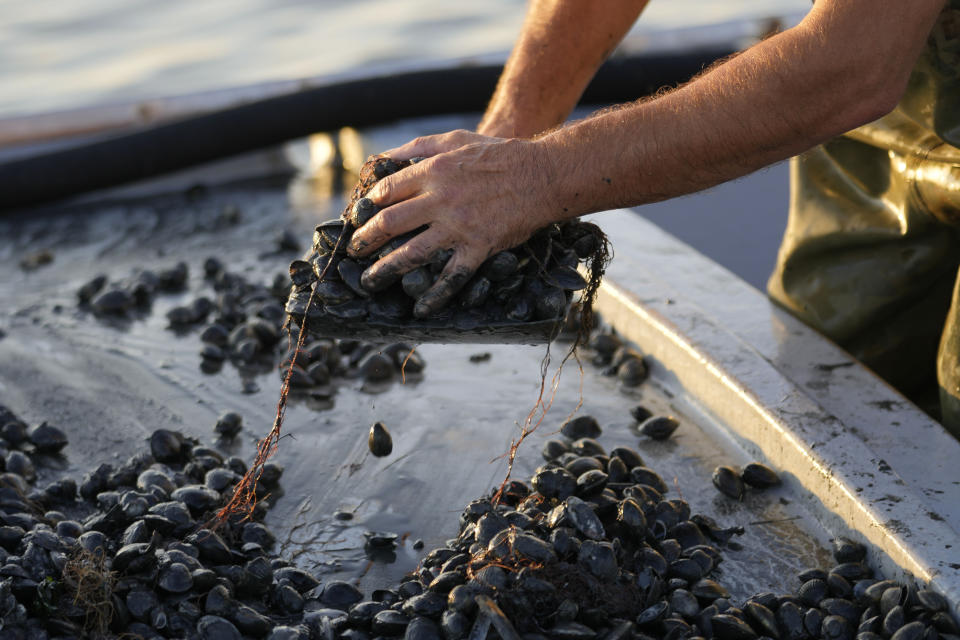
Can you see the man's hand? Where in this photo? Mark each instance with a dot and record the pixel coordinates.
(476, 195)
(846, 64)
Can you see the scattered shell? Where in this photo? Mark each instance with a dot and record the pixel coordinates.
(379, 440)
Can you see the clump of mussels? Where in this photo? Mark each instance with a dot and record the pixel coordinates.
(243, 323)
(617, 358)
(590, 548)
(532, 283)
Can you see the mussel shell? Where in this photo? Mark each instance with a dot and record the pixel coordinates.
(728, 627)
(352, 310)
(582, 427)
(330, 232)
(301, 273)
(649, 477)
(333, 292)
(659, 427)
(475, 293)
(350, 273)
(363, 210)
(379, 440)
(728, 481)
(500, 266)
(566, 278)
(520, 309)
(759, 476)
(506, 289)
(550, 304)
(417, 282)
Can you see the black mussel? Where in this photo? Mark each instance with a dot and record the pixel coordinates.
(813, 621)
(500, 266)
(632, 371)
(728, 627)
(333, 292)
(893, 620)
(584, 519)
(566, 278)
(728, 482)
(175, 578)
(475, 292)
(839, 586)
(215, 334)
(384, 167)
(555, 483)
(13, 431)
(617, 470)
(329, 232)
(363, 210)
(506, 289)
(759, 476)
(389, 623)
(659, 427)
(340, 595)
(910, 631)
(173, 278)
(684, 603)
(591, 482)
(352, 310)
(217, 628)
(587, 447)
(599, 559)
(582, 427)
(391, 306)
(932, 601)
(377, 367)
(844, 549)
(350, 273)
(229, 424)
(197, 497)
(47, 438)
(550, 304)
(554, 449)
(812, 592)
(112, 301)
(835, 628)
(301, 273)
(581, 464)
(91, 288)
(653, 614)
(649, 477)
(629, 456)
(710, 590)
(379, 440)
(415, 283)
(520, 309)
(19, 463)
(166, 446)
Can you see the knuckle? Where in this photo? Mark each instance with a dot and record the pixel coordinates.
(388, 222)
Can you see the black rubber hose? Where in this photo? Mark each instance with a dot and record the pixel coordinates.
(360, 103)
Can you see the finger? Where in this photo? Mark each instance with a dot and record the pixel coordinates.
(427, 146)
(417, 251)
(388, 223)
(397, 187)
(456, 274)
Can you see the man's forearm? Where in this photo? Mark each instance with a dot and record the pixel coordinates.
(560, 48)
(775, 100)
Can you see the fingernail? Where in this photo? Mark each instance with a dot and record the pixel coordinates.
(367, 281)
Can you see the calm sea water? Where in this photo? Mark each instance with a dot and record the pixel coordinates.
(56, 54)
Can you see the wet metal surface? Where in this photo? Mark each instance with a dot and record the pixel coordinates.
(110, 385)
(867, 462)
